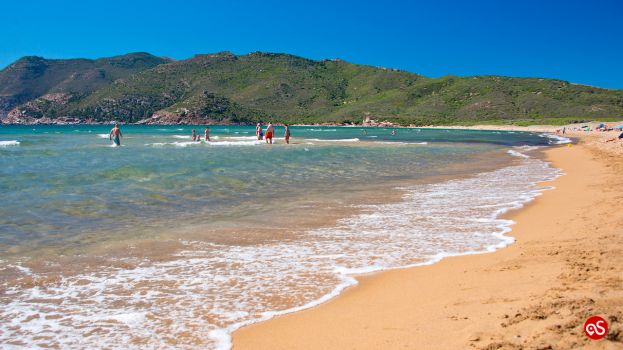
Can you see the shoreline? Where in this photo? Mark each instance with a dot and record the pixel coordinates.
(383, 124)
(368, 311)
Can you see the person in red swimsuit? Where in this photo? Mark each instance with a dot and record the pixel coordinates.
(270, 131)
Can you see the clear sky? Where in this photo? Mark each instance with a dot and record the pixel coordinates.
(578, 41)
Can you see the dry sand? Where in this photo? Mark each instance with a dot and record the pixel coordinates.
(566, 265)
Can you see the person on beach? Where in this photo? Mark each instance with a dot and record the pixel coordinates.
(258, 132)
(207, 134)
(115, 135)
(270, 131)
(194, 135)
(620, 137)
(287, 133)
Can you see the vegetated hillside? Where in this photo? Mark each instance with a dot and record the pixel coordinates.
(226, 88)
(31, 77)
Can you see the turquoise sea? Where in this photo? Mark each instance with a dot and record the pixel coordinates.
(169, 243)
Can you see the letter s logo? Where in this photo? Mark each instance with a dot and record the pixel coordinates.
(596, 327)
(599, 328)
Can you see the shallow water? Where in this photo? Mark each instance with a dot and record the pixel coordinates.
(169, 243)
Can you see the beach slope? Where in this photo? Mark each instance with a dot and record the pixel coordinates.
(566, 265)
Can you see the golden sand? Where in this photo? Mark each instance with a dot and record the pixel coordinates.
(566, 265)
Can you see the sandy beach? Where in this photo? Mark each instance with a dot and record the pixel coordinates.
(566, 265)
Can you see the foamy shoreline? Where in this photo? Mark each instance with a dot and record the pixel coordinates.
(354, 262)
(350, 229)
(354, 320)
(340, 252)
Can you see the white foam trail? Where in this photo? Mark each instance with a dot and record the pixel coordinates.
(517, 154)
(528, 148)
(146, 306)
(103, 136)
(556, 139)
(9, 143)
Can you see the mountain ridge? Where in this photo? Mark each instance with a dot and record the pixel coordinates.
(227, 88)
(31, 77)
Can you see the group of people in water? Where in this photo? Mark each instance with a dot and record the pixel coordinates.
(206, 137)
(270, 132)
(115, 134)
(259, 133)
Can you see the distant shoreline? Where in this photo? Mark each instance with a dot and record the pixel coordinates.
(497, 127)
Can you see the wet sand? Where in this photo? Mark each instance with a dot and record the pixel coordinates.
(566, 265)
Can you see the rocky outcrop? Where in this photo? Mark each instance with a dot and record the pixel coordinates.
(167, 118)
(42, 107)
(368, 121)
(17, 118)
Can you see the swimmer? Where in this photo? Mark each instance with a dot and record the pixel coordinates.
(115, 135)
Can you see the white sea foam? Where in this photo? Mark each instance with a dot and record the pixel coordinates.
(517, 154)
(556, 139)
(9, 143)
(527, 148)
(103, 136)
(213, 289)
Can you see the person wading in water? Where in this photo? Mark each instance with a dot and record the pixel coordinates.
(115, 135)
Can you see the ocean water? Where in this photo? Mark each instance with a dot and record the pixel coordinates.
(165, 243)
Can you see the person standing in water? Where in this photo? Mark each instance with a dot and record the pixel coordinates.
(258, 131)
(394, 132)
(287, 133)
(115, 135)
(207, 134)
(194, 135)
(270, 131)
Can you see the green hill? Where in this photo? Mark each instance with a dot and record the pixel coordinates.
(224, 88)
(31, 77)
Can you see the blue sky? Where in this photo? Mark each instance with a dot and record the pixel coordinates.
(579, 41)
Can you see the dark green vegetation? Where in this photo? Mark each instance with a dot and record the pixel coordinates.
(224, 88)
